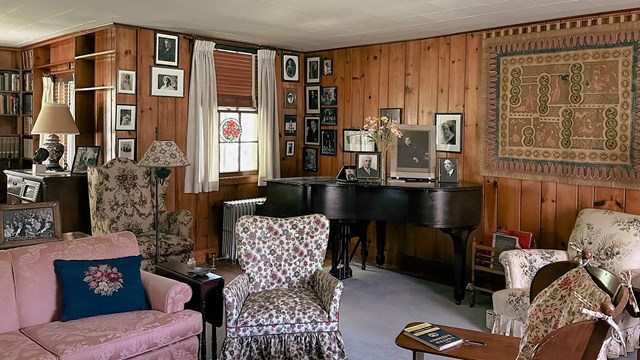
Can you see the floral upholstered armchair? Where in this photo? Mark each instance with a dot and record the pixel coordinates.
(612, 237)
(284, 306)
(121, 198)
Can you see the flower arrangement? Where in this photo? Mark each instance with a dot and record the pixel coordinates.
(103, 279)
(381, 131)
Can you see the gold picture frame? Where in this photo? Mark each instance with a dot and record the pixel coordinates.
(29, 224)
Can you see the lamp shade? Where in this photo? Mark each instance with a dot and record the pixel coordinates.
(163, 154)
(55, 119)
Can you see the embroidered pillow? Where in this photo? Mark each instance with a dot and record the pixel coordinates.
(100, 287)
(556, 306)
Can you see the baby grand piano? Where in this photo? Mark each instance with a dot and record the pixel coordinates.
(454, 208)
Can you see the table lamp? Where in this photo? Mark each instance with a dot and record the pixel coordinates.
(54, 119)
(162, 155)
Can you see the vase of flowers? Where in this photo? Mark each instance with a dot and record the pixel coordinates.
(382, 132)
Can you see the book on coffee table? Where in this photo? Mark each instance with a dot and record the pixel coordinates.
(433, 336)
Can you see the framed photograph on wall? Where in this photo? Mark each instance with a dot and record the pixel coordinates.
(413, 155)
(448, 170)
(167, 82)
(290, 68)
(354, 141)
(85, 156)
(126, 117)
(329, 142)
(367, 163)
(449, 132)
(290, 125)
(290, 99)
(310, 159)
(392, 114)
(313, 99)
(329, 96)
(127, 148)
(329, 116)
(166, 49)
(313, 70)
(43, 219)
(126, 82)
(311, 130)
(327, 67)
(290, 148)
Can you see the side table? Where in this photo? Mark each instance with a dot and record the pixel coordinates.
(207, 298)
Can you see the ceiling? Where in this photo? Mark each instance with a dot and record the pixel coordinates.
(302, 25)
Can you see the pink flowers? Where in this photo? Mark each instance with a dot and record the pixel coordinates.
(103, 279)
(381, 131)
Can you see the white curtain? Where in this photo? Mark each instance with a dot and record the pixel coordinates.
(268, 143)
(202, 130)
(47, 97)
(71, 139)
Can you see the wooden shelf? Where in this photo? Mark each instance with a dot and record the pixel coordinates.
(108, 87)
(97, 55)
(46, 66)
(10, 115)
(9, 92)
(10, 70)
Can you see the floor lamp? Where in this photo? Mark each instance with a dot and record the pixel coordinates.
(162, 155)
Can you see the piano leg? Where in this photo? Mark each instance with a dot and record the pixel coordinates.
(459, 237)
(381, 240)
(340, 234)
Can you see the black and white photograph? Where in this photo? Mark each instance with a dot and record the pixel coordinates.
(329, 96)
(127, 148)
(392, 114)
(126, 117)
(354, 140)
(448, 170)
(290, 148)
(449, 132)
(327, 67)
(347, 173)
(329, 142)
(290, 68)
(85, 156)
(290, 125)
(413, 155)
(313, 99)
(313, 70)
(367, 165)
(290, 99)
(167, 82)
(329, 116)
(31, 223)
(126, 82)
(166, 49)
(311, 130)
(310, 159)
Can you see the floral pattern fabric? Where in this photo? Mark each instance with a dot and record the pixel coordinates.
(284, 306)
(122, 198)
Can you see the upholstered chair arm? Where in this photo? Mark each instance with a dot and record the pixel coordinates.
(164, 294)
(521, 265)
(176, 222)
(329, 290)
(234, 296)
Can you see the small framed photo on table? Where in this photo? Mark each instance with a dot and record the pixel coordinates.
(353, 140)
(126, 117)
(126, 82)
(30, 223)
(85, 156)
(166, 49)
(413, 155)
(449, 132)
(290, 68)
(368, 165)
(167, 82)
(310, 160)
(127, 148)
(448, 170)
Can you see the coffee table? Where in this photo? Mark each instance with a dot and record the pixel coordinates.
(498, 347)
(207, 298)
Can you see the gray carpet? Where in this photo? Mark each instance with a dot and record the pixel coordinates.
(377, 304)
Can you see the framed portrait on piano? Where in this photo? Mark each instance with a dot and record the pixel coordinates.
(414, 155)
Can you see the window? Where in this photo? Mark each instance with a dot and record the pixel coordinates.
(238, 140)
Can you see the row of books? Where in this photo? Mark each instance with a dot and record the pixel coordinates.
(9, 104)
(27, 125)
(9, 81)
(27, 84)
(27, 59)
(27, 144)
(27, 104)
(9, 147)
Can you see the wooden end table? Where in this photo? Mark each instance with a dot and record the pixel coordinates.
(498, 347)
(207, 298)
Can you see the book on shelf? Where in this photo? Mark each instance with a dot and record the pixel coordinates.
(525, 238)
(433, 336)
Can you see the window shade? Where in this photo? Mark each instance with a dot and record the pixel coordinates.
(234, 78)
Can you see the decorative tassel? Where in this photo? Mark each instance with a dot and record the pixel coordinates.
(626, 277)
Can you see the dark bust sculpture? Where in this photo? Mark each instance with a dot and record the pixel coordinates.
(40, 155)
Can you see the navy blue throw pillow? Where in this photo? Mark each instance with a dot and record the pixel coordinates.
(100, 287)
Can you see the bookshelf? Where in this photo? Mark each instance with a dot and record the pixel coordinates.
(487, 274)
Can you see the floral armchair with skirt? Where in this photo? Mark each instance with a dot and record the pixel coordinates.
(613, 238)
(283, 306)
(122, 197)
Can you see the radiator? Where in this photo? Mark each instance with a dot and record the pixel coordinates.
(231, 212)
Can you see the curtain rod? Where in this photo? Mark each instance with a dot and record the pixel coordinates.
(234, 45)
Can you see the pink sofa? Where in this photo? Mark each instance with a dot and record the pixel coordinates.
(30, 300)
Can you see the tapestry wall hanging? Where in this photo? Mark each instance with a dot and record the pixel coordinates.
(562, 106)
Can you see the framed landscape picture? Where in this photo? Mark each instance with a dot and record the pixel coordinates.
(290, 68)
(167, 82)
(166, 49)
(313, 70)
